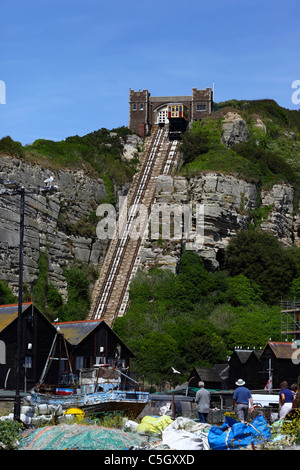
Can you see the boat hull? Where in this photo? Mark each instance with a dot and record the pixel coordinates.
(129, 403)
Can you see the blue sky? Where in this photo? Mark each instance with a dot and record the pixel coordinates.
(68, 65)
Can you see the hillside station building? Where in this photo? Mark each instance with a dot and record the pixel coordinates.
(146, 111)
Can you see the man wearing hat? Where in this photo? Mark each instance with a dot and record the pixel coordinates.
(241, 398)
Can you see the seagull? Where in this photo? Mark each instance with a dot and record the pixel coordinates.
(175, 371)
(49, 180)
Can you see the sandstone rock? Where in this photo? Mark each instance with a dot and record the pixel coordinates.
(234, 129)
(78, 196)
(280, 220)
(260, 125)
(131, 146)
(227, 203)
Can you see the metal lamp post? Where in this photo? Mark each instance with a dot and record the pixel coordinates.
(12, 188)
(17, 406)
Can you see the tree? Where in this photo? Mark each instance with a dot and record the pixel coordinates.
(253, 326)
(262, 259)
(46, 297)
(40, 287)
(78, 302)
(204, 346)
(193, 276)
(295, 289)
(242, 291)
(194, 143)
(157, 354)
(6, 294)
(54, 297)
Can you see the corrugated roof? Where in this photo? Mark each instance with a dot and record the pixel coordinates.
(244, 354)
(208, 374)
(282, 350)
(8, 313)
(76, 331)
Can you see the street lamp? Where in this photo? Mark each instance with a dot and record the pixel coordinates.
(13, 188)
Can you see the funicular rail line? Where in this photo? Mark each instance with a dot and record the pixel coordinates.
(120, 240)
(111, 296)
(124, 299)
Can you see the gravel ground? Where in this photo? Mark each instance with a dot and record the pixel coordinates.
(6, 407)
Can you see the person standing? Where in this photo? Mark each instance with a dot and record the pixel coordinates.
(240, 401)
(294, 389)
(286, 398)
(203, 400)
(296, 403)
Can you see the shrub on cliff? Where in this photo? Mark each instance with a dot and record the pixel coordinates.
(262, 258)
(6, 294)
(8, 145)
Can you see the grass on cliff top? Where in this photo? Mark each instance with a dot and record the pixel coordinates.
(98, 153)
(271, 155)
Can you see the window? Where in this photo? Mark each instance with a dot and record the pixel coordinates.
(79, 362)
(2, 353)
(28, 362)
(134, 107)
(201, 107)
(141, 106)
(100, 360)
(63, 364)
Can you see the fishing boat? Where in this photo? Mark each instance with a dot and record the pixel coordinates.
(98, 390)
(101, 388)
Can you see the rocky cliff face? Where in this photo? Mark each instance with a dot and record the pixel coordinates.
(62, 224)
(234, 129)
(228, 204)
(45, 217)
(52, 223)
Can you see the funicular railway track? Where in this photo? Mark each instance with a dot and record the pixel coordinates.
(110, 297)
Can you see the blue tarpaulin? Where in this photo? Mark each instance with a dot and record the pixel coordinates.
(235, 434)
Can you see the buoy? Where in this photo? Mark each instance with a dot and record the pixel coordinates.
(74, 411)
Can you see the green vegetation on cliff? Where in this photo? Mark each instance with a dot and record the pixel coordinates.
(194, 318)
(270, 155)
(97, 153)
(197, 317)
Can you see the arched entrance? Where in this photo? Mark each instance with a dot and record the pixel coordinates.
(161, 115)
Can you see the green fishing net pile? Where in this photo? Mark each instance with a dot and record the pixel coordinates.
(79, 437)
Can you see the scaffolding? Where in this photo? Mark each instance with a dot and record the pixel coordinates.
(290, 326)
